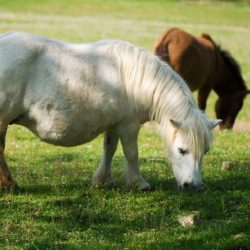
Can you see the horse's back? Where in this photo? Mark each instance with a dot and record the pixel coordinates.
(192, 57)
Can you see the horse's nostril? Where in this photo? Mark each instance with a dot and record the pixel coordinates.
(189, 186)
(185, 185)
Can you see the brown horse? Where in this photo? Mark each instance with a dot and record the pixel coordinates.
(205, 66)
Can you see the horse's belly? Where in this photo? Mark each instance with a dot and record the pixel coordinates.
(67, 135)
(68, 138)
(68, 128)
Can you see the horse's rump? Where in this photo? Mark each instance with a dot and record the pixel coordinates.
(192, 57)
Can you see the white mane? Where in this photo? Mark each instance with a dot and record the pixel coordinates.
(153, 85)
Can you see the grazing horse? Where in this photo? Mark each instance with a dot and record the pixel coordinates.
(205, 66)
(67, 94)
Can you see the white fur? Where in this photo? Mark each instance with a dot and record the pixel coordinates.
(67, 94)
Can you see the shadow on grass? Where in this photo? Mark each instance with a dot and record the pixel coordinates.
(94, 214)
(75, 212)
(48, 189)
(227, 181)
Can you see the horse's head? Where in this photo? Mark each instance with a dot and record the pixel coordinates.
(188, 145)
(228, 107)
(231, 93)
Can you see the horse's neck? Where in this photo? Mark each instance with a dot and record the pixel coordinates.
(154, 88)
(222, 76)
(224, 82)
(175, 102)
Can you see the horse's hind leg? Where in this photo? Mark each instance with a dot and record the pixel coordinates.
(128, 136)
(6, 180)
(102, 176)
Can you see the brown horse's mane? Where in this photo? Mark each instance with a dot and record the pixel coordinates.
(233, 66)
(230, 62)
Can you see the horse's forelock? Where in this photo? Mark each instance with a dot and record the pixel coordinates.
(198, 134)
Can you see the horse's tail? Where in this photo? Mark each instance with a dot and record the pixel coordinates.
(209, 38)
(161, 45)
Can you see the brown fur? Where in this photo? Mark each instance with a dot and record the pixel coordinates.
(205, 66)
(6, 180)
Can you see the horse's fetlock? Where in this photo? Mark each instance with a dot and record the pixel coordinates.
(138, 183)
(103, 181)
(8, 185)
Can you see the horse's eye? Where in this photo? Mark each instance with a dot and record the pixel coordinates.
(182, 151)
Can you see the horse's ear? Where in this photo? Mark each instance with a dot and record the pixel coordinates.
(175, 123)
(214, 123)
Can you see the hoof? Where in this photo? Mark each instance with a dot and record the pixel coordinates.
(103, 182)
(140, 186)
(7, 187)
(144, 187)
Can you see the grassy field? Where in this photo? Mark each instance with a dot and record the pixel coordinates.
(57, 208)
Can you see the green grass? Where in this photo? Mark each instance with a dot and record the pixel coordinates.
(57, 208)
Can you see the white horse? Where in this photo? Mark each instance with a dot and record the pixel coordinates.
(67, 94)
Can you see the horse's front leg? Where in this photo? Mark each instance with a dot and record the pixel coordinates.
(102, 176)
(128, 136)
(203, 94)
(6, 180)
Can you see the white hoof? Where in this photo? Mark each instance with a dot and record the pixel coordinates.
(144, 186)
(140, 184)
(103, 181)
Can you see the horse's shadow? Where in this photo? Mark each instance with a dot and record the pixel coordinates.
(80, 208)
(234, 181)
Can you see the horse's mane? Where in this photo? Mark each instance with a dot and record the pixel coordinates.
(154, 85)
(233, 67)
(230, 62)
